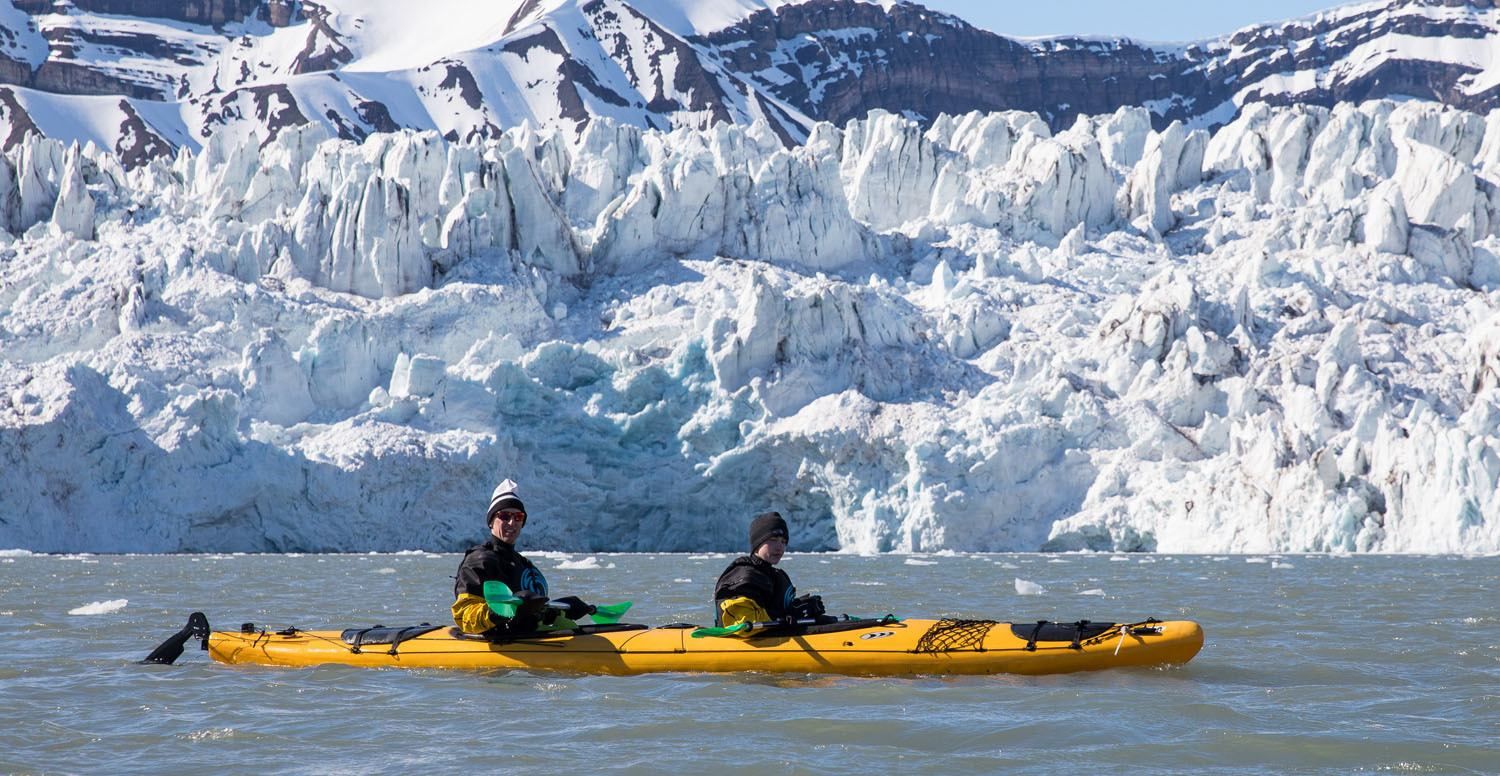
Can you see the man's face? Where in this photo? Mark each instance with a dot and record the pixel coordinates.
(772, 550)
(507, 525)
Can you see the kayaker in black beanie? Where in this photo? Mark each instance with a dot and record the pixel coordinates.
(752, 589)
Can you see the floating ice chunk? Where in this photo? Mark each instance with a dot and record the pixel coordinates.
(386, 570)
(1278, 564)
(1118, 559)
(16, 553)
(868, 584)
(1026, 587)
(101, 607)
(211, 734)
(1092, 591)
(1256, 560)
(915, 562)
(683, 580)
(1005, 565)
(590, 562)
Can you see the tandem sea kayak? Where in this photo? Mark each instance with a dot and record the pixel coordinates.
(857, 647)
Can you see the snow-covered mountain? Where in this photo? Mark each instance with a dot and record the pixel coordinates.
(143, 77)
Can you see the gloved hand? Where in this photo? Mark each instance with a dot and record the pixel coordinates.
(806, 606)
(576, 608)
(531, 606)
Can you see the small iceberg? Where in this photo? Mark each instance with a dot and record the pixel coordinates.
(1026, 587)
(101, 607)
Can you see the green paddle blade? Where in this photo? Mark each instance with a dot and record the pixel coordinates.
(702, 633)
(609, 614)
(500, 598)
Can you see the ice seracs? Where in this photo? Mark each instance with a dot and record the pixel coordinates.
(981, 335)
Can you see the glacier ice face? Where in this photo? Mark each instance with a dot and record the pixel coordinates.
(977, 336)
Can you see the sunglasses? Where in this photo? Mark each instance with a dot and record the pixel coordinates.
(509, 517)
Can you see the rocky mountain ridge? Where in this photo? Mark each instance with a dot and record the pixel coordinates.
(144, 77)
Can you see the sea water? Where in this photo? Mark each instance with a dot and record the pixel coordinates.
(1312, 664)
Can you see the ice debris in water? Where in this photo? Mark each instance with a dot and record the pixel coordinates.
(915, 562)
(1092, 591)
(1027, 587)
(590, 562)
(101, 607)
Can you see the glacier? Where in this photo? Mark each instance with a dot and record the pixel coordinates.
(979, 335)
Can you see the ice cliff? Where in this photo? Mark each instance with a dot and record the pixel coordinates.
(980, 335)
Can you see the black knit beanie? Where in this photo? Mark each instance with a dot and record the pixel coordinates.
(763, 527)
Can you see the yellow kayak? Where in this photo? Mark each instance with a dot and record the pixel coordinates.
(859, 647)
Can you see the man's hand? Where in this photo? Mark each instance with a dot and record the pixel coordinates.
(531, 606)
(807, 606)
(575, 609)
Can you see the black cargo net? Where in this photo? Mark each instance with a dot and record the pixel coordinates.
(954, 635)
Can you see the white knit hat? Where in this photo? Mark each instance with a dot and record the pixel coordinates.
(504, 497)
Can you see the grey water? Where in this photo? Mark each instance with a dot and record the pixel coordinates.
(1312, 664)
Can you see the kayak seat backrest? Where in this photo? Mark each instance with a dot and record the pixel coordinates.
(380, 634)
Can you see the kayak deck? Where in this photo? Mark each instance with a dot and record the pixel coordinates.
(878, 647)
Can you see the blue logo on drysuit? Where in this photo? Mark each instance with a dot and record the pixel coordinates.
(532, 580)
(786, 600)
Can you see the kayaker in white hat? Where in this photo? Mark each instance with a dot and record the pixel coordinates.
(497, 559)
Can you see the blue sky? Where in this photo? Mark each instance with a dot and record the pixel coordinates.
(1157, 20)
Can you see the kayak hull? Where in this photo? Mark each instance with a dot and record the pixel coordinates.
(878, 649)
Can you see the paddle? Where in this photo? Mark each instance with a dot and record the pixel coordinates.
(504, 602)
(746, 627)
(705, 633)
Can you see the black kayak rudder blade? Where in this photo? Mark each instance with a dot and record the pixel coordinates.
(168, 651)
